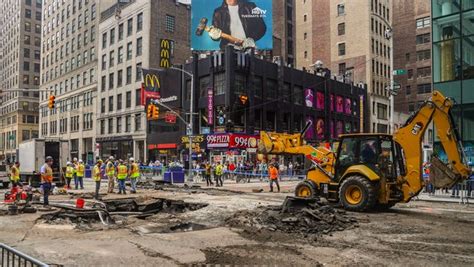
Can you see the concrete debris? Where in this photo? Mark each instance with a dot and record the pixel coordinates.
(313, 218)
(111, 210)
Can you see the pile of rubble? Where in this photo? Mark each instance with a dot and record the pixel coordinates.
(108, 211)
(295, 216)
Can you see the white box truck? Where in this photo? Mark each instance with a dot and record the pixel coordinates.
(4, 179)
(32, 155)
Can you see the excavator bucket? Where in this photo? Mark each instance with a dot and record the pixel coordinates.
(296, 203)
(441, 176)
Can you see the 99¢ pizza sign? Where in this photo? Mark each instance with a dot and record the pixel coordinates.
(243, 141)
(240, 141)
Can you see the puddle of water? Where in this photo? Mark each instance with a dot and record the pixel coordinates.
(166, 229)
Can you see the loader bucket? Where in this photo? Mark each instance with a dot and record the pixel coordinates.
(296, 203)
(441, 176)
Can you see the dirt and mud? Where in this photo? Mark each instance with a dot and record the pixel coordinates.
(237, 227)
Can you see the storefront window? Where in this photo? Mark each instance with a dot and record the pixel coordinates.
(204, 83)
(467, 4)
(444, 7)
(298, 95)
(446, 28)
(467, 91)
(468, 57)
(271, 89)
(451, 89)
(468, 23)
(258, 86)
(240, 84)
(446, 60)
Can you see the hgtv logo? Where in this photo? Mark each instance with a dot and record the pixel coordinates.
(257, 13)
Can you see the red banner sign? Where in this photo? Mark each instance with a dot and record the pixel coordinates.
(243, 141)
(240, 141)
(210, 106)
(162, 146)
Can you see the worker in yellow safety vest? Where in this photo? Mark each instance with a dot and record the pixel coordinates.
(96, 176)
(134, 174)
(69, 174)
(110, 171)
(74, 171)
(80, 168)
(15, 174)
(122, 172)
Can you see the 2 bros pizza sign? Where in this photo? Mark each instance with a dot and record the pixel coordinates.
(240, 141)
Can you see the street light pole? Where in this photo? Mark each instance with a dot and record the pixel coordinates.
(389, 36)
(189, 127)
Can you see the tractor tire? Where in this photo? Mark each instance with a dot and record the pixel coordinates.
(305, 189)
(357, 193)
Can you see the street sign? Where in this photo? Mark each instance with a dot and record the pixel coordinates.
(396, 87)
(399, 72)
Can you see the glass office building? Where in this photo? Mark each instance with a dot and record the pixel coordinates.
(453, 62)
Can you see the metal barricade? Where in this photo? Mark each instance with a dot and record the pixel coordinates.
(12, 257)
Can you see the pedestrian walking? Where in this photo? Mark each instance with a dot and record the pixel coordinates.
(46, 179)
(218, 173)
(110, 171)
(207, 173)
(122, 171)
(80, 174)
(134, 174)
(69, 174)
(97, 177)
(15, 174)
(273, 171)
(290, 169)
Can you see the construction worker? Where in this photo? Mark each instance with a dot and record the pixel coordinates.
(122, 172)
(134, 174)
(273, 171)
(15, 174)
(74, 172)
(218, 172)
(47, 178)
(69, 174)
(80, 174)
(110, 172)
(97, 176)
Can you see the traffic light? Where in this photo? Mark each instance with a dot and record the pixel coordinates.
(156, 113)
(52, 102)
(152, 112)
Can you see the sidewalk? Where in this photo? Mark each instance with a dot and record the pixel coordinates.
(442, 198)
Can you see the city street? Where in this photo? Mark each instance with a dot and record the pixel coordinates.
(236, 133)
(418, 233)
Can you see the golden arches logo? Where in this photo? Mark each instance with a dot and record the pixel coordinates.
(164, 63)
(152, 81)
(165, 53)
(165, 43)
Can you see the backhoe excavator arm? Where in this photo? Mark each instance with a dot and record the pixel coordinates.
(294, 144)
(410, 137)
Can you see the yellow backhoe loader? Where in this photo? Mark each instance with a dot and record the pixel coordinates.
(370, 171)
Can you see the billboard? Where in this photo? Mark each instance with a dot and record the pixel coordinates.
(242, 23)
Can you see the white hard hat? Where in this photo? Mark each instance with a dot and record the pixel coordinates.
(80, 161)
(68, 163)
(75, 159)
(111, 157)
(132, 159)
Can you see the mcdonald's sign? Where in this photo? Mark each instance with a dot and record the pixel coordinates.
(151, 80)
(166, 51)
